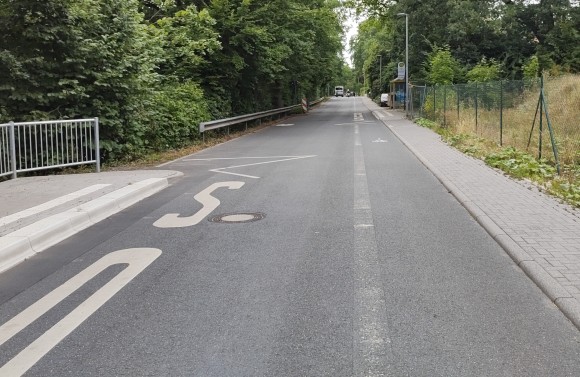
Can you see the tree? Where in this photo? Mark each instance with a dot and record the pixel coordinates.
(37, 54)
(508, 31)
(272, 50)
(531, 69)
(554, 28)
(373, 44)
(484, 71)
(442, 68)
(187, 39)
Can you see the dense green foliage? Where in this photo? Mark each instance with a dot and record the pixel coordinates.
(153, 69)
(442, 67)
(466, 40)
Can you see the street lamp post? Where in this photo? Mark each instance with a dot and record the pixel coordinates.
(406, 62)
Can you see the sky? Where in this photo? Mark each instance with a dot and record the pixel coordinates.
(351, 30)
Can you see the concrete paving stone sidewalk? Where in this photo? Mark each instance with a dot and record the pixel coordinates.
(38, 212)
(541, 234)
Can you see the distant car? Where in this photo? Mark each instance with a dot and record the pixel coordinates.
(384, 99)
(339, 91)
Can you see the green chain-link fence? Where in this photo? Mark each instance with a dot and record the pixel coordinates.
(504, 112)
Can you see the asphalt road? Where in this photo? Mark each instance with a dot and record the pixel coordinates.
(358, 263)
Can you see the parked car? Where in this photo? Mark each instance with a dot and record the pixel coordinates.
(384, 100)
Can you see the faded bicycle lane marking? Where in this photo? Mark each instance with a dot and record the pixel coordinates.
(173, 220)
(137, 259)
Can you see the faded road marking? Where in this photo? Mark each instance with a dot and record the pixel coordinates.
(373, 355)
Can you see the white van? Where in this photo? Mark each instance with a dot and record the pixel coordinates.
(384, 100)
(339, 91)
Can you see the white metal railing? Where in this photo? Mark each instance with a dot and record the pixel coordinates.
(31, 146)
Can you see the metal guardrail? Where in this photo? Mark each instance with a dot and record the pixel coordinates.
(226, 122)
(316, 102)
(32, 146)
(205, 126)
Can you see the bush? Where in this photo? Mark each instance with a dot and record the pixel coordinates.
(172, 115)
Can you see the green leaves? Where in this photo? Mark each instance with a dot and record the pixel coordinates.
(531, 69)
(171, 116)
(484, 71)
(187, 38)
(521, 165)
(442, 68)
(153, 69)
(507, 33)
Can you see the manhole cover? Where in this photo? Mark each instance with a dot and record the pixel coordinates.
(245, 217)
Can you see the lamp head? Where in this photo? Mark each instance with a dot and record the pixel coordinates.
(401, 14)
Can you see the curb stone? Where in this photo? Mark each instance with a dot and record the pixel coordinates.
(569, 306)
(24, 243)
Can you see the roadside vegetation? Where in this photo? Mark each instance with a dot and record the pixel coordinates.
(455, 46)
(517, 163)
(460, 41)
(152, 70)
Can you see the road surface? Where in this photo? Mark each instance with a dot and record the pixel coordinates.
(331, 251)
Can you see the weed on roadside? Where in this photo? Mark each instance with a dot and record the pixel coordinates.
(515, 163)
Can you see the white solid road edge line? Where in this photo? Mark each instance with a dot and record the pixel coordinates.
(20, 245)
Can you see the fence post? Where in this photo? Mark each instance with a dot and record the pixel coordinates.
(422, 100)
(13, 149)
(445, 106)
(410, 102)
(457, 95)
(434, 103)
(550, 129)
(97, 146)
(476, 108)
(541, 116)
(501, 113)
